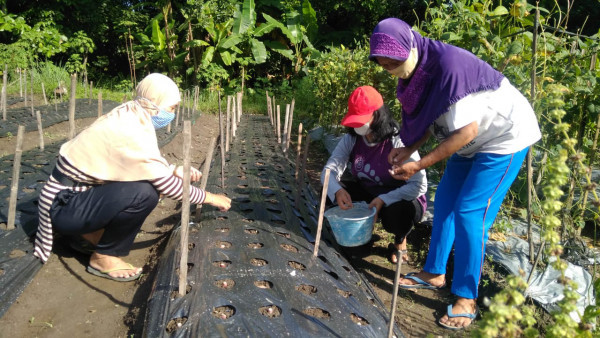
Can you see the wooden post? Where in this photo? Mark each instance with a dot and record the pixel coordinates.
(395, 294)
(14, 187)
(40, 130)
(177, 115)
(298, 147)
(25, 87)
(100, 110)
(32, 109)
(529, 157)
(185, 207)
(221, 136)
(228, 124)
(44, 93)
(196, 92)
(55, 104)
(289, 133)
(72, 131)
(205, 173)
(278, 128)
(91, 89)
(273, 110)
(239, 106)
(304, 158)
(20, 82)
(285, 126)
(269, 106)
(321, 211)
(233, 119)
(4, 90)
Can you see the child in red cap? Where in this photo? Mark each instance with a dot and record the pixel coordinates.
(372, 134)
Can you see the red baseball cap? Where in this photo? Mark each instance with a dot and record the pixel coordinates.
(361, 104)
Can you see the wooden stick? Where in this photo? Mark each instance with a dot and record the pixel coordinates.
(14, 188)
(185, 207)
(278, 127)
(273, 111)
(24, 87)
(321, 211)
(44, 93)
(222, 146)
(4, 90)
(40, 130)
(395, 294)
(72, 131)
(55, 103)
(20, 82)
(177, 114)
(239, 107)
(100, 103)
(285, 127)
(287, 142)
(205, 173)
(228, 124)
(32, 109)
(91, 88)
(233, 118)
(304, 158)
(297, 197)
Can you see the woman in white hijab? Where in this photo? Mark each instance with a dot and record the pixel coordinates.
(108, 179)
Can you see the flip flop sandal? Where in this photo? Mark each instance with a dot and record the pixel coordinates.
(471, 316)
(105, 273)
(421, 284)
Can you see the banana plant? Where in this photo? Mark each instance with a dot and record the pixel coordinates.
(297, 30)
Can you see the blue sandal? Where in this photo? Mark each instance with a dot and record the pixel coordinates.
(471, 316)
(421, 284)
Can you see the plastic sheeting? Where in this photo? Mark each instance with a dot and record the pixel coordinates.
(544, 287)
(251, 271)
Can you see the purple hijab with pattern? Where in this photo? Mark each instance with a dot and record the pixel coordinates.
(444, 75)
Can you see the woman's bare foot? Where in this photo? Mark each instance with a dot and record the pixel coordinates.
(116, 266)
(462, 305)
(431, 278)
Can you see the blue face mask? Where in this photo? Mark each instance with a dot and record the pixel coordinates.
(162, 119)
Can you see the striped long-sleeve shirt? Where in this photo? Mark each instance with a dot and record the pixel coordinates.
(170, 186)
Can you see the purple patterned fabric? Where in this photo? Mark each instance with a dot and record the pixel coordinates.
(444, 75)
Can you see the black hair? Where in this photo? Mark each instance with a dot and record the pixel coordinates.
(383, 125)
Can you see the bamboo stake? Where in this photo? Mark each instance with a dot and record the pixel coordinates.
(395, 294)
(32, 109)
(285, 127)
(222, 146)
(14, 188)
(25, 87)
(55, 104)
(233, 119)
(185, 207)
(321, 211)
(4, 90)
(529, 157)
(91, 89)
(40, 130)
(269, 106)
(44, 93)
(205, 173)
(72, 131)
(100, 103)
(298, 148)
(20, 82)
(278, 129)
(228, 124)
(239, 106)
(287, 142)
(273, 111)
(304, 158)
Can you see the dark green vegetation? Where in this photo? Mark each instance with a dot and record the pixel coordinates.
(316, 53)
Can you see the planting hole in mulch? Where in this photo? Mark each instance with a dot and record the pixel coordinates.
(223, 244)
(263, 284)
(175, 324)
(255, 245)
(346, 268)
(251, 231)
(284, 234)
(222, 229)
(258, 262)
(189, 268)
(358, 319)
(223, 312)
(306, 289)
(273, 210)
(1, 272)
(191, 246)
(247, 210)
(332, 274)
(322, 258)
(175, 293)
(242, 186)
(242, 177)
(289, 247)
(221, 218)
(248, 220)
(270, 311)
(272, 201)
(221, 264)
(317, 313)
(344, 294)
(226, 284)
(296, 265)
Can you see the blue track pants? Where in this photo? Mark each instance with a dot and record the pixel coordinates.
(466, 203)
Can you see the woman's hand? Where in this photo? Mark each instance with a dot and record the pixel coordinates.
(405, 171)
(378, 203)
(195, 174)
(399, 155)
(343, 198)
(220, 201)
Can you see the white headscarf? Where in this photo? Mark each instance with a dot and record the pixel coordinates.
(122, 145)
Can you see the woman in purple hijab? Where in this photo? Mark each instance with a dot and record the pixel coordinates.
(484, 127)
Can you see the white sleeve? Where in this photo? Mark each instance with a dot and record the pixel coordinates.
(414, 187)
(337, 163)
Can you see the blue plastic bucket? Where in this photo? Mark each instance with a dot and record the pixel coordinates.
(352, 227)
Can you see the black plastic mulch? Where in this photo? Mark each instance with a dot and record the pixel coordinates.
(251, 271)
(17, 263)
